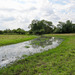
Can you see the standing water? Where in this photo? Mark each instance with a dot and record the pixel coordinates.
(10, 53)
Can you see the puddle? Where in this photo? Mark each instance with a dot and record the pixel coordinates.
(10, 53)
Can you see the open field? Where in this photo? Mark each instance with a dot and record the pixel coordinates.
(12, 39)
(57, 61)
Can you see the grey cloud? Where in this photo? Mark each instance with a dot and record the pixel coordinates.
(55, 18)
(26, 20)
(6, 9)
(32, 8)
(72, 8)
(1, 26)
(49, 12)
(7, 19)
(28, 10)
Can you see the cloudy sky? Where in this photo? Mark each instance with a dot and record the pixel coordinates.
(19, 13)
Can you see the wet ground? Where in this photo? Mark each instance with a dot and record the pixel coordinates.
(10, 53)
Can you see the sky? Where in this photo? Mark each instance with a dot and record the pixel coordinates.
(19, 13)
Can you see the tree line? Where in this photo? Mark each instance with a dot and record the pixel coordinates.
(14, 31)
(65, 27)
(43, 27)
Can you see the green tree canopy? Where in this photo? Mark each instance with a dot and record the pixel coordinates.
(41, 27)
(65, 27)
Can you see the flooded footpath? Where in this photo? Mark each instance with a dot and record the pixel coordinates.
(10, 53)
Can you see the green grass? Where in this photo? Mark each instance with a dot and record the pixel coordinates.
(12, 39)
(27, 46)
(57, 61)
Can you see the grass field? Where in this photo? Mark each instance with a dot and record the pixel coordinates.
(57, 61)
(12, 39)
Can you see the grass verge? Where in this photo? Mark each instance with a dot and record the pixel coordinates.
(57, 61)
(12, 39)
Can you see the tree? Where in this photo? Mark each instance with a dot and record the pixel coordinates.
(41, 27)
(68, 26)
(73, 27)
(7, 31)
(14, 31)
(65, 27)
(1, 32)
(20, 31)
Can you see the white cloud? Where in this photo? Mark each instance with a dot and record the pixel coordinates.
(20, 13)
(65, 12)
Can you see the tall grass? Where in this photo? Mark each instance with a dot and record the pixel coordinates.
(12, 39)
(57, 61)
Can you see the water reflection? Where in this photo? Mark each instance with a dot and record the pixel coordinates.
(45, 41)
(13, 52)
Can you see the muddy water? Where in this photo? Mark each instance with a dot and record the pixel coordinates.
(10, 53)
